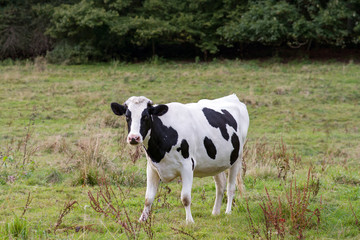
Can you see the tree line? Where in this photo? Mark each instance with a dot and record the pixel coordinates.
(84, 30)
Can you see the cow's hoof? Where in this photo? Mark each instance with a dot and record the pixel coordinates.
(143, 218)
(190, 221)
(215, 213)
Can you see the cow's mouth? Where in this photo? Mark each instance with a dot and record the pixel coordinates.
(133, 142)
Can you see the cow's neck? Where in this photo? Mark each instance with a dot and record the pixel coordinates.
(160, 140)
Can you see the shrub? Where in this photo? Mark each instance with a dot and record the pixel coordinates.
(65, 53)
(91, 161)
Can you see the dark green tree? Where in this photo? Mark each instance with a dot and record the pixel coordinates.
(80, 30)
(22, 27)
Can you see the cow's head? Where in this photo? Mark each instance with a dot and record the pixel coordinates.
(139, 113)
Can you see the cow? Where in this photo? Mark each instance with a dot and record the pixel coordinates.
(188, 140)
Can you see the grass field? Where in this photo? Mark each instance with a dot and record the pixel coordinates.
(59, 138)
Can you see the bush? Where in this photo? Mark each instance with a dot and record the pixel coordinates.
(65, 53)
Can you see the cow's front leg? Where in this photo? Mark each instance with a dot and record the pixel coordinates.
(187, 180)
(152, 181)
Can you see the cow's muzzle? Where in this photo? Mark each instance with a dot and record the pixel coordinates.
(134, 140)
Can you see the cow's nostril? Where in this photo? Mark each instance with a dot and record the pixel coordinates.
(134, 139)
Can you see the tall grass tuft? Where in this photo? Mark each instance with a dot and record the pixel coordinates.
(257, 159)
(91, 161)
(263, 160)
(284, 160)
(16, 229)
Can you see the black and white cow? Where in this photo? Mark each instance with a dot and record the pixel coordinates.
(196, 139)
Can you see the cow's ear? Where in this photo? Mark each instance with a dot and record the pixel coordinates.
(118, 109)
(159, 110)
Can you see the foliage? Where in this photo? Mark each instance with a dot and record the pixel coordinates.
(78, 31)
(22, 26)
(266, 22)
(296, 23)
(66, 53)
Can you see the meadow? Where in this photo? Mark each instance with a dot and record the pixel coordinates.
(67, 173)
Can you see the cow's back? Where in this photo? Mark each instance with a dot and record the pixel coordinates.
(214, 130)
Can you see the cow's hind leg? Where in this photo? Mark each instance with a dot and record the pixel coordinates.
(152, 181)
(220, 183)
(233, 172)
(187, 180)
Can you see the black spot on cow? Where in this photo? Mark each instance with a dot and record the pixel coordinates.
(193, 164)
(145, 123)
(236, 144)
(161, 140)
(184, 148)
(219, 120)
(128, 119)
(210, 148)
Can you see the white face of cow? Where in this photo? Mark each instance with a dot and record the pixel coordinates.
(138, 112)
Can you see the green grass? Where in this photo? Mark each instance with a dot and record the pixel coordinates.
(313, 107)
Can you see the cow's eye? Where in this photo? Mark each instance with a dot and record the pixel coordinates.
(146, 117)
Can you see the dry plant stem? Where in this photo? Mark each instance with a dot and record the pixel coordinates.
(357, 222)
(298, 203)
(27, 204)
(179, 231)
(27, 138)
(79, 228)
(147, 226)
(253, 229)
(164, 196)
(293, 217)
(282, 160)
(273, 217)
(107, 203)
(68, 206)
